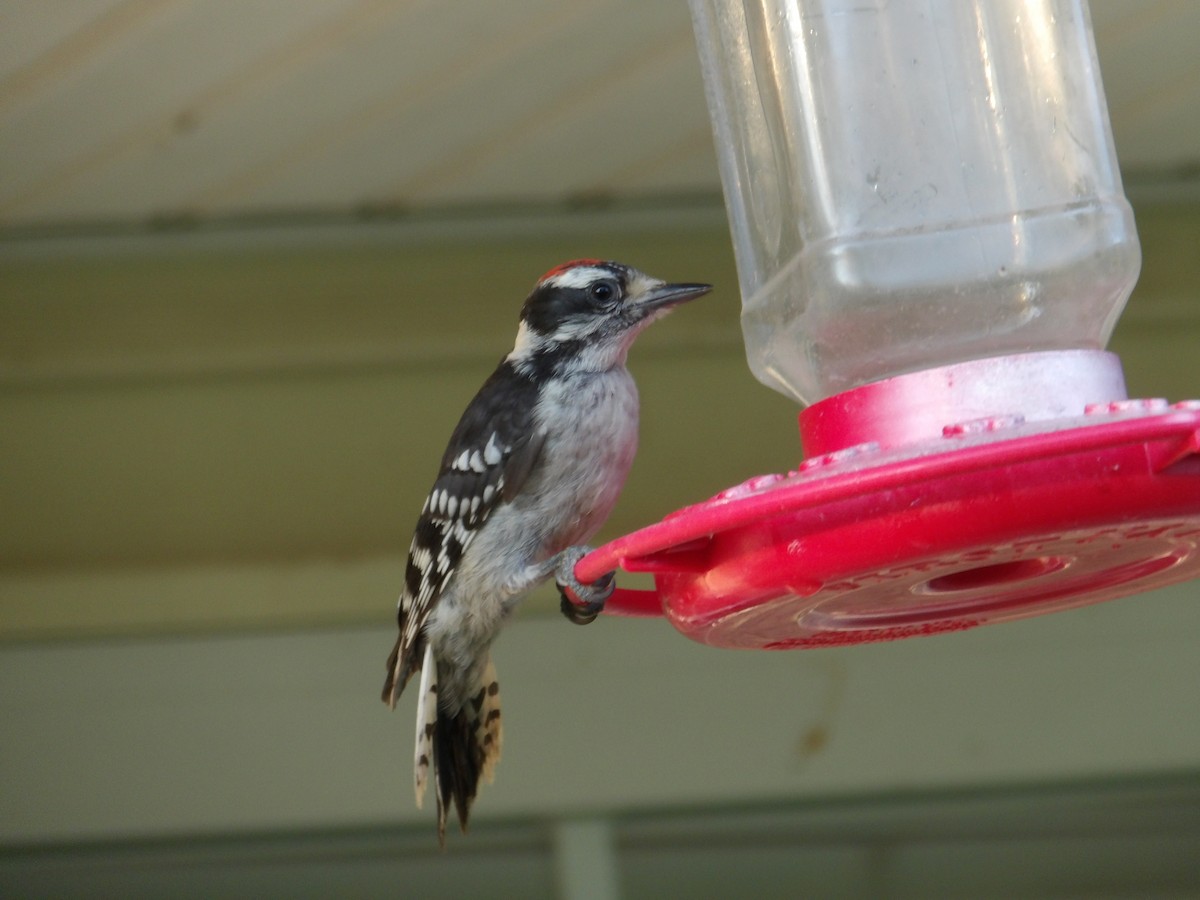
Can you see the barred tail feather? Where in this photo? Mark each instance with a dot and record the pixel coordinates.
(489, 731)
(466, 748)
(427, 715)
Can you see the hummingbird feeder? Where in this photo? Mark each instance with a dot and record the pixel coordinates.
(933, 247)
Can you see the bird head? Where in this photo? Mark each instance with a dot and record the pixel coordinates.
(589, 312)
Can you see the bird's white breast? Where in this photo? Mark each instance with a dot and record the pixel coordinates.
(592, 432)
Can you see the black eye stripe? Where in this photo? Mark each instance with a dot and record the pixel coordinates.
(549, 306)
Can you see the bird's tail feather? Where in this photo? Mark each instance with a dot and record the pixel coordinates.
(427, 716)
(464, 746)
(400, 668)
(489, 733)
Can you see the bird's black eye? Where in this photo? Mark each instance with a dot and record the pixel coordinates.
(604, 291)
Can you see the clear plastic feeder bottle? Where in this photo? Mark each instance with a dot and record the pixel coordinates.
(914, 183)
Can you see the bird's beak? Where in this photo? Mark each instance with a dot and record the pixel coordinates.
(667, 295)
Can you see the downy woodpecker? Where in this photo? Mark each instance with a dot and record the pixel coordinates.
(532, 470)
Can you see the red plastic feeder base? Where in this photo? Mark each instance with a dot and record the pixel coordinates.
(933, 502)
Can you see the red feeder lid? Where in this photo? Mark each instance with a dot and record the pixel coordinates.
(937, 501)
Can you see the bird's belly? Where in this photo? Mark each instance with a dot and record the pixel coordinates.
(573, 488)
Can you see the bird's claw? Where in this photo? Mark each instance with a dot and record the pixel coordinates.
(587, 611)
(589, 599)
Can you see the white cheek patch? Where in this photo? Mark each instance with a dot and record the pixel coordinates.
(576, 329)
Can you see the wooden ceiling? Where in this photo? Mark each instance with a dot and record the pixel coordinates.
(177, 110)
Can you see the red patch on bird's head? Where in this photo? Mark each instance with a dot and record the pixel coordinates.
(573, 264)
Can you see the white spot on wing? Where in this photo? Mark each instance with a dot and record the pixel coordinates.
(421, 559)
(488, 493)
(477, 462)
(452, 507)
(462, 462)
(461, 534)
(491, 453)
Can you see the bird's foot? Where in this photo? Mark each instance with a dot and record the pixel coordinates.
(581, 603)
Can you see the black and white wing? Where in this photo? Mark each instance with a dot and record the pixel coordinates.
(490, 454)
